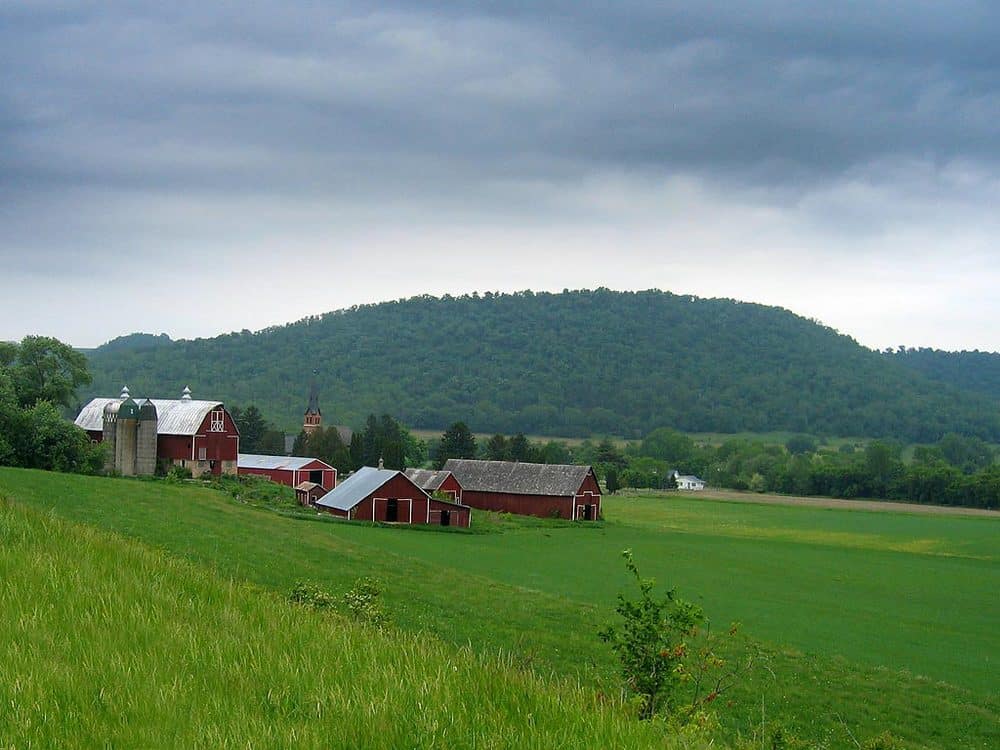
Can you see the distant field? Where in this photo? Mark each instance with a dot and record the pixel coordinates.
(872, 620)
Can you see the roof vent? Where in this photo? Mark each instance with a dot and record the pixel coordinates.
(381, 463)
(124, 394)
(186, 394)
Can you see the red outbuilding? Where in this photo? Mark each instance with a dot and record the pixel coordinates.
(441, 482)
(544, 490)
(389, 496)
(290, 470)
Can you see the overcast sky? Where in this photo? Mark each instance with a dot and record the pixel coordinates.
(195, 168)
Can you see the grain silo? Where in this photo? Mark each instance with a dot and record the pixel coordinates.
(110, 422)
(145, 460)
(126, 437)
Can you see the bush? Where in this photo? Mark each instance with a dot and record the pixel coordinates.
(363, 602)
(309, 595)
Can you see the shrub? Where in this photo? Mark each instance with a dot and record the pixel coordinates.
(363, 602)
(309, 595)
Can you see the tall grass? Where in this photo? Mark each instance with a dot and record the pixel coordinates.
(106, 642)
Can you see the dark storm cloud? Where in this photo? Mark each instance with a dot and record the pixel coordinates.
(331, 96)
(515, 143)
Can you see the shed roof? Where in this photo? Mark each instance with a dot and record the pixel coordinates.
(357, 487)
(428, 479)
(518, 478)
(307, 486)
(174, 416)
(274, 463)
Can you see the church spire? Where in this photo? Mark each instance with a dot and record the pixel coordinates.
(313, 417)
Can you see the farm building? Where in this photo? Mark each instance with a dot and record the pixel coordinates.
(290, 470)
(545, 490)
(307, 493)
(147, 433)
(442, 482)
(386, 495)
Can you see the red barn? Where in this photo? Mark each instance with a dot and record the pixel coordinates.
(389, 496)
(544, 490)
(443, 482)
(198, 435)
(290, 470)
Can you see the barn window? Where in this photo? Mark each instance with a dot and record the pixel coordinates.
(218, 421)
(202, 453)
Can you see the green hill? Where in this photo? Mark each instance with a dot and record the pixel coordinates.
(109, 643)
(576, 363)
(975, 371)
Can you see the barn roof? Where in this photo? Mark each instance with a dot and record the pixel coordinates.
(517, 478)
(428, 479)
(174, 416)
(356, 488)
(272, 463)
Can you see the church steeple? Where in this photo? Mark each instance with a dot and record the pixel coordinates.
(313, 417)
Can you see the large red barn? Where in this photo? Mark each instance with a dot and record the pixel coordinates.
(198, 435)
(290, 470)
(389, 496)
(544, 490)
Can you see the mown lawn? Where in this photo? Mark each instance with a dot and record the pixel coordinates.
(872, 620)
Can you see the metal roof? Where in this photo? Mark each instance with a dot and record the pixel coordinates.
(562, 480)
(174, 416)
(270, 463)
(357, 487)
(428, 479)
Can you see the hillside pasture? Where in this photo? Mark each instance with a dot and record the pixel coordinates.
(870, 621)
(108, 643)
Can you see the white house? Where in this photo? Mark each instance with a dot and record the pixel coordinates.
(688, 481)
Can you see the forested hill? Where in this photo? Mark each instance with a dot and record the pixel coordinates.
(577, 363)
(971, 371)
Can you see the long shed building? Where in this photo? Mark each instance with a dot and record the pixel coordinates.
(389, 496)
(544, 490)
(290, 470)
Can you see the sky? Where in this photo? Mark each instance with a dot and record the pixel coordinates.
(197, 168)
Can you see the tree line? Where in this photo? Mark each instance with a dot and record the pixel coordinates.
(956, 470)
(39, 377)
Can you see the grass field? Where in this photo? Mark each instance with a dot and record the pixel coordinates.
(872, 620)
(106, 643)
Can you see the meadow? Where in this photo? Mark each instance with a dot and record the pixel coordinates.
(107, 643)
(870, 621)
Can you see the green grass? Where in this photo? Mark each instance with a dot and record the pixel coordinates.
(106, 643)
(872, 620)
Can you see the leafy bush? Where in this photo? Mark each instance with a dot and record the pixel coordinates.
(363, 602)
(310, 595)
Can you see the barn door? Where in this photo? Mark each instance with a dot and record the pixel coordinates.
(392, 510)
(587, 512)
(446, 518)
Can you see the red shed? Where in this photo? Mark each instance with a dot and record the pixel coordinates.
(442, 482)
(389, 496)
(544, 490)
(290, 470)
(199, 435)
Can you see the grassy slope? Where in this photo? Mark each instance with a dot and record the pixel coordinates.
(105, 642)
(878, 589)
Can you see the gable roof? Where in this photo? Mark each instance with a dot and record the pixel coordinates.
(357, 487)
(428, 479)
(517, 478)
(177, 416)
(271, 463)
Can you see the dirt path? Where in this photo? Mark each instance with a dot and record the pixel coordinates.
(831, 502)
